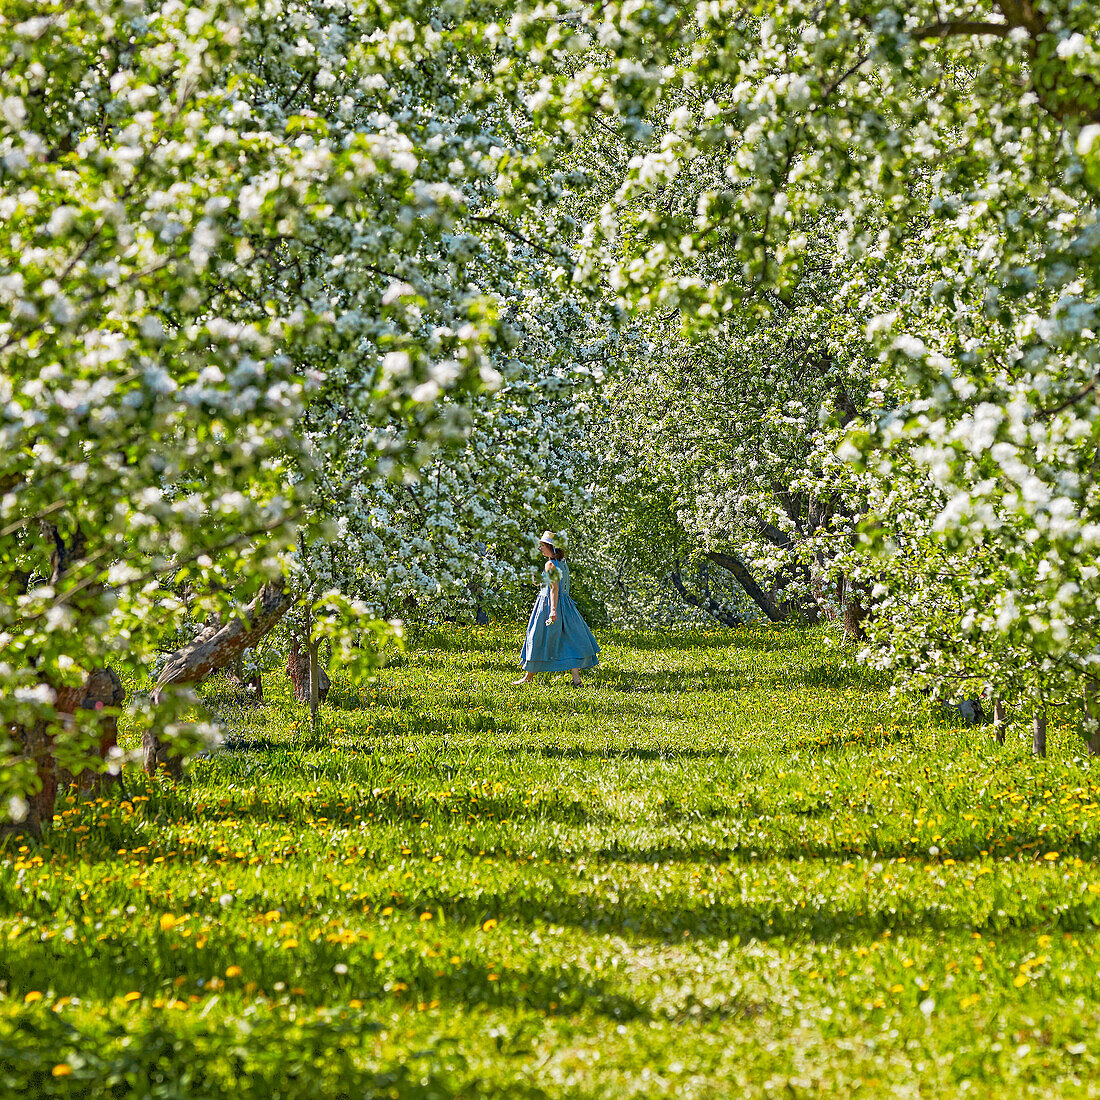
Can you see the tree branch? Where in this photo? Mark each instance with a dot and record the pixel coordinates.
(744, 578)
(489, 219)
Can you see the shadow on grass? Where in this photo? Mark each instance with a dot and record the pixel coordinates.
(576, 752)
(177, 966)
(672, 918)
(198, 1063)
(607, 678)
(670, 681)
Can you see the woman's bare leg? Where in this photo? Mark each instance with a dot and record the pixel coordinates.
(525, 679)
(576, 677)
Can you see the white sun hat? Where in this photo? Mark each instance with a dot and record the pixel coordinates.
(549, 538)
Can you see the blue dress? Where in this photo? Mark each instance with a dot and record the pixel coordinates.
(566, 644)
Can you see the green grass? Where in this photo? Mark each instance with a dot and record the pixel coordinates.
(729, 864)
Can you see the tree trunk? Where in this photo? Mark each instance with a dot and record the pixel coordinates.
(37, 744)
(744, 578)
(37, 740)
(1000, 720)
(101, 690)
(215, 648)
(857, 610)
(1039, 726)
(314, 678)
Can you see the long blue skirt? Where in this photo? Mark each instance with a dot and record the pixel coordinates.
(566, 644)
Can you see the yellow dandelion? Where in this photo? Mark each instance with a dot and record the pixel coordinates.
(489, 925)
(62, 1069)
(133, 995)
(32, 996)
(233, 971)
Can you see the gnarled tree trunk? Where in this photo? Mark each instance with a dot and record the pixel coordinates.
(216, 647)
(857, 610)
(36, 740)
(37, 745)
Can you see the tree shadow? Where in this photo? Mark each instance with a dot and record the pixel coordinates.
(576, 752)
(672, 918)
(330, 1057)
(112, 967)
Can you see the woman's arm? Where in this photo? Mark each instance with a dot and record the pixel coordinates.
(553, 596)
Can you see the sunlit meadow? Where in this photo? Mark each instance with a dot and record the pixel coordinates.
(728, 865)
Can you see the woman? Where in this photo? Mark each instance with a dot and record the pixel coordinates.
(557, 637)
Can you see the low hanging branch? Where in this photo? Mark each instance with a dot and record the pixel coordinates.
(704, 603)
(215, 648)
(744, 578)
(218, 646)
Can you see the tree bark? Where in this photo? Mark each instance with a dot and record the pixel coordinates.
(37, 744)
(1039, 728)
(216, 647)
(1000, 720)
(856, 612)
(101, 690)
(37, 740)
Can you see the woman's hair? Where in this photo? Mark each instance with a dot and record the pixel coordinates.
(556, 552)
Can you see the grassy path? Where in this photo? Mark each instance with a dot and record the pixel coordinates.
(728, 865)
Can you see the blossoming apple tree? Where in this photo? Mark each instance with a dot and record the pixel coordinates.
(216, 218)
(958, 144)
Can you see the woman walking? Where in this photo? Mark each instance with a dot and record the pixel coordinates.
(558, 638)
